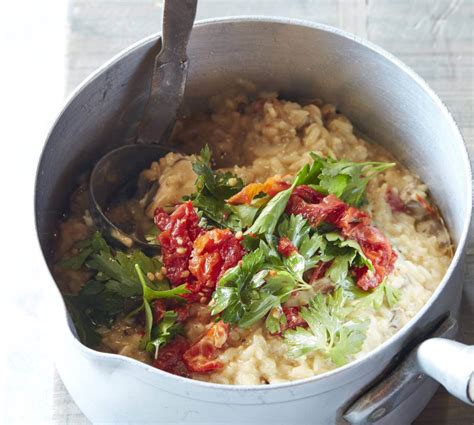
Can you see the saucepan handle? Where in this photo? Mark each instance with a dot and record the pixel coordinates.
(451, 364)
(448, 362)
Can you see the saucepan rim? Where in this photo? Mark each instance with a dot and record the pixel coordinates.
(407, 328)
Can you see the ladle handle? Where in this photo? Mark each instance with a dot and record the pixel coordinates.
(169, 73)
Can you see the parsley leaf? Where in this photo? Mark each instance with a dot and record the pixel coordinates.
(339, 270)
(279, 285)
(114, 288)
(215, 211)
(164, 332)
(276, 319)
(150, 294)
(85, 248)
(115, 269)
(309, 243)
(382, 294)
(213, 188)
(347, 180)
(156, 336)
(331, 330)
(260, 283)
(236, 288)
(350, 338)
(349, 244)
(76, 262)
(344, 179)
(314, 247)
(270, 214)
(245, 213)
(392, 295)
(296, 265)
(302, 341)
(268, 218)
(295, 228)
(101, 303)
(85, 327)
(221, 185)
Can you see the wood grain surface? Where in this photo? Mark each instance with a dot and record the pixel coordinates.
(435, 38)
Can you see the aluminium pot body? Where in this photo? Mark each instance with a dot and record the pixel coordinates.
(383, 98)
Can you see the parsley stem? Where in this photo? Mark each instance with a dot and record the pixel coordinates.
(150, 294)
(141, 277)
(146, 306)
(134, 312)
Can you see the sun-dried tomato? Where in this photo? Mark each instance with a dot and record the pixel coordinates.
(354, 224)
(201, 356)
(182, 311)
(214, 252)
(308, 194)
(422, 201)
(286, 247)
(352, 217)
(270, 187)
(293, 318)
(178, 232)
(328, 208)
(377, 249)
(319, 271)
(158, 308)
(395, 202)
(170, 357)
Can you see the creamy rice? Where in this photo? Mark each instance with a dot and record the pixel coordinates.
(277, 140)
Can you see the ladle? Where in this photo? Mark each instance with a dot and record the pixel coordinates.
(122, 165)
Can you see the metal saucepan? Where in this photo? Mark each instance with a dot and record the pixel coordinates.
(387, 102)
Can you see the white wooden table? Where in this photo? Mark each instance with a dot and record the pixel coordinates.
(435, 38)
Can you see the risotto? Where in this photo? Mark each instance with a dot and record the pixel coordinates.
(288, 246)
